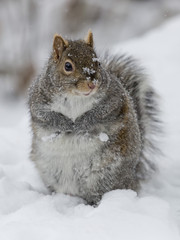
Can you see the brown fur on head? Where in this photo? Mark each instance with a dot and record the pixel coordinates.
(77, 65)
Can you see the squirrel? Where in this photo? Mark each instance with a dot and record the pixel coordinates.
(92, 121)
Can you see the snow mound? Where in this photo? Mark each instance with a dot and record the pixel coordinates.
(28, 211)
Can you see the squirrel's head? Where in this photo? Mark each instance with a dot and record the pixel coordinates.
(77, 65)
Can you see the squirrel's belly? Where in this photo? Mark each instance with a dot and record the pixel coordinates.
(64, 160)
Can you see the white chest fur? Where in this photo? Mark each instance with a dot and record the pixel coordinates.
(64, 159)
(72, 106)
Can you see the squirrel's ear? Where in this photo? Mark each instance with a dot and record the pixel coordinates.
(89, 39)
(59, 44)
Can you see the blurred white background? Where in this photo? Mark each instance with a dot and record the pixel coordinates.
(27, 28)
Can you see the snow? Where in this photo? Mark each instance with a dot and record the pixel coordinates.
(50, 138)
(103, 137)
(95, 59)
(88, 70)
(28, 211)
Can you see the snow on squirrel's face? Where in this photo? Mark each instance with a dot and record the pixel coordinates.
(77, 65)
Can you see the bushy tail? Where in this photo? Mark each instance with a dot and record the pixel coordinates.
(144, 99)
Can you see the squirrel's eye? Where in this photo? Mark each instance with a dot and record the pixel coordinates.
(68, 67)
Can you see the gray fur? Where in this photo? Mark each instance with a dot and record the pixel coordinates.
(74, 160)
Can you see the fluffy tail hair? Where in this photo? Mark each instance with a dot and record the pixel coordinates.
(144, 98)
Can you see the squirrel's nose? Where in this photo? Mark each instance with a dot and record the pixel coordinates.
(91, 85)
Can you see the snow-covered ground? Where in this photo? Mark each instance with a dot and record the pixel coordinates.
(28, 212)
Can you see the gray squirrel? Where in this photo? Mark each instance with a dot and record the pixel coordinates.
(92, 121)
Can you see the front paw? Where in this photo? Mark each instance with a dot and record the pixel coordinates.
(81, 126)
(68, 127)
(80, 129)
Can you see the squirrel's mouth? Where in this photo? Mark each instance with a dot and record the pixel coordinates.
(87, 94)
(85, 89)
(82, 93)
